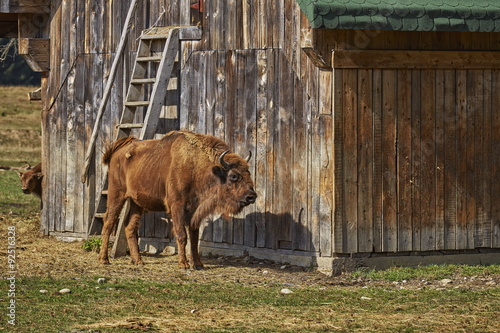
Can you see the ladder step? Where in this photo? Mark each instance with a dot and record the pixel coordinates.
(136, 125)
(137, 103)
(99, 215)
(158, 36)
(143, 81)
(104, 192)
(147, 59)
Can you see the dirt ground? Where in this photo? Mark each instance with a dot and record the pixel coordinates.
(43, 256)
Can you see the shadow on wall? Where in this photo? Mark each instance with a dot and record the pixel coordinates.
(261, 230)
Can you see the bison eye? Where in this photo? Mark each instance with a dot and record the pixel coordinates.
(234, 177)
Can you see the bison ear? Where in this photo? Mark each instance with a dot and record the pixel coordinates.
(39, 175)
(220, 173)
(20, 174)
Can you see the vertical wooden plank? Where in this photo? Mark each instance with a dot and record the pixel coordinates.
(471, 172)
(231, 19)
(365, 161)
(350, 140)
(416, 149)
(450, 160)
(187, 86)
(326, 175)
(428, 156)
(487, 135)
(475, 82)
(70, 167)
(219, 32)
(193, 89)
(288, 33)
(210, 104)
(261, 27)
(462, 145)
(219, 126)
(404, 139)
(284, 154)
(315, 167)
(250, 134)
(184, 12)
(231, 121)
(271, 36)
(495, 159)
(440, 160)
(201, 108)
(338, 158)
(247, 33)
(482, 152)
(271, 153)
(45, 125)
(377, 161)
(325, 186)
(261, 171)
(389, 167)
(88, 122)
(238, 132)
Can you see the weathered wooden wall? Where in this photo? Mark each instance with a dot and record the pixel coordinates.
(417, 153)
(345, 160)
(84, 36)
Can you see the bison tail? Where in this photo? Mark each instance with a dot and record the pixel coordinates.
(112, 147)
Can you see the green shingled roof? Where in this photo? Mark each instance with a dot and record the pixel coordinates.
(404, 15)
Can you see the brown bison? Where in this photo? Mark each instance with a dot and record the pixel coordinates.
(31, 180)
(190, 176)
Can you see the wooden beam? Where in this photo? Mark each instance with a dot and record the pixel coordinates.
(36, 52)
(316, 47)
(394, 59)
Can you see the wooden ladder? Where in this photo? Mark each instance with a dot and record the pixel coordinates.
(159, 45)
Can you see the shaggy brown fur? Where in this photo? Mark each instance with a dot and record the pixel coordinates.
(180, 174)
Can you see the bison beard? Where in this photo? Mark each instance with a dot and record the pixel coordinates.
(190, 176)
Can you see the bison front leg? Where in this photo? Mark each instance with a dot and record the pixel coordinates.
(178, 219)
(131, 233)
(194, 235)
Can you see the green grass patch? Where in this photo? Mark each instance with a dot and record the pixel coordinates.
(431, 272)
(116, 307)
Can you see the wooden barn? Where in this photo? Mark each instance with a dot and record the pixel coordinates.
(374, 124)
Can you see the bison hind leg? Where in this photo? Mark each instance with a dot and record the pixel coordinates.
(131, 232)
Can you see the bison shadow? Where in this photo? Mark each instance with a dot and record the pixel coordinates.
(228, 240)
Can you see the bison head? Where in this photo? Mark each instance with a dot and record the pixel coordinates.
(29, 180)
(237, 189)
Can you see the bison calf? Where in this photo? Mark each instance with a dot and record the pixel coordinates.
(190, 176)
(31, 180)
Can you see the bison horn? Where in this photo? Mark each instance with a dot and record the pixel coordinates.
(249, 155)
(222, 162)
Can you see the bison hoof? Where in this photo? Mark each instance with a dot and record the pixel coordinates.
(198, 267)
(183, 266)
(138, 262)
(104, 262)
